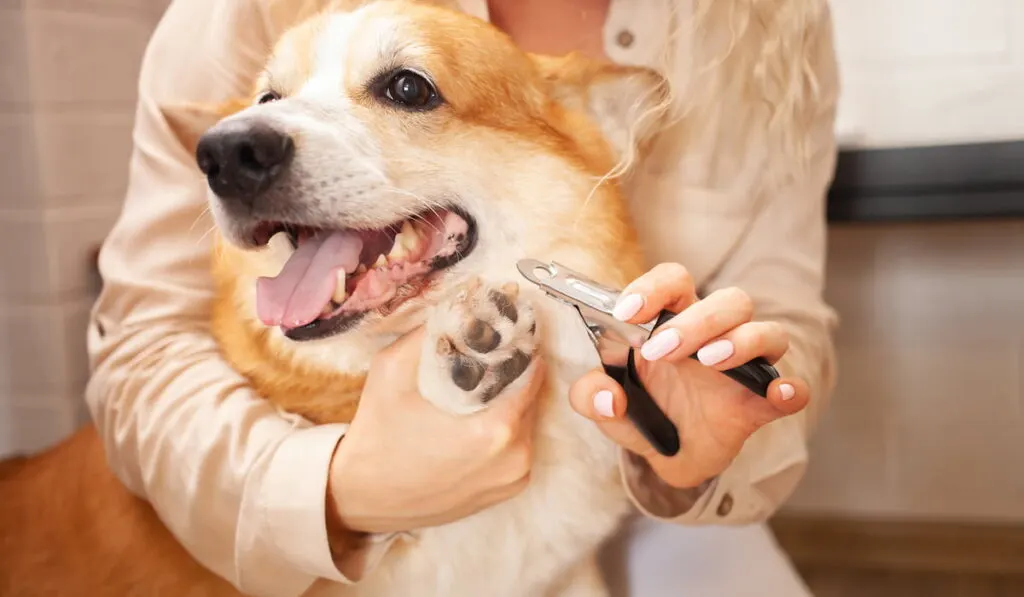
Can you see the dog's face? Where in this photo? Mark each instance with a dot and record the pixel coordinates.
(392, 151)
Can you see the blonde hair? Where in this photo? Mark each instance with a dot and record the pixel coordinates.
(767, 48)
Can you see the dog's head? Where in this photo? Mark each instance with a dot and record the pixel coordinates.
(389, 152)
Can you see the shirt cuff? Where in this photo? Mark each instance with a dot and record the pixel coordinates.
(294, 499)
(282, 544)
(762, 476)
(654, 497)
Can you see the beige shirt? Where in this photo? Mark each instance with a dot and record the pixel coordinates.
(735, 198)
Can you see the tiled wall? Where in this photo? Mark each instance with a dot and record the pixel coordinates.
(68, 74)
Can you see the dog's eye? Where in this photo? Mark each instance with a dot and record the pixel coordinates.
(411, 90)
(269, 96)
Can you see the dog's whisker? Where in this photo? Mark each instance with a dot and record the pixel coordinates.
(199, 217)
(208, 232)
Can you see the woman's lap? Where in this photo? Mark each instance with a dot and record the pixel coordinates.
(651, 559)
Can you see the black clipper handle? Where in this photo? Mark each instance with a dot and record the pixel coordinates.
(648, 417)
(643, 411)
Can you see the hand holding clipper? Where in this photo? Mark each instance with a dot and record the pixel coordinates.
(616, 342)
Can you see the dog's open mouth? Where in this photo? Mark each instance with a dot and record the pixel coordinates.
(333, 277)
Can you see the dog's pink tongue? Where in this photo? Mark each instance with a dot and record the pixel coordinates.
(298, 295)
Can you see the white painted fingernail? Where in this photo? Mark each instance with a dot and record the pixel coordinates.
(787, 391)
(627, 306)
(660, 345)
(604, 403)
(715, 352)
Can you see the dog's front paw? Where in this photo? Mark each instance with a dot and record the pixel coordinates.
(476, 346)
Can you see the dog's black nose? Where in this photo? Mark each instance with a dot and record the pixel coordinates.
(242, 159)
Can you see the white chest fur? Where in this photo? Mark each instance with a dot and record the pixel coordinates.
(540, 538)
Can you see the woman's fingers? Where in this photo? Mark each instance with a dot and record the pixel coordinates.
(597, 397)
(702, 322)
(600, 399)
(717, 328)
(666, 286)
(785, 396)
(788, 395)
(766, 339)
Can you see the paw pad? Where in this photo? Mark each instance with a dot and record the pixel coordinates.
(485, 340)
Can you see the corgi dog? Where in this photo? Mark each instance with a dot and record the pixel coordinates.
(393, 164)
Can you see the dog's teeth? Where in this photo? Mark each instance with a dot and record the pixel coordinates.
(328, 309)
(382, 261)
(412, 237)
(406, 243)
(279, 249)
(281, 242)
(398, 251)
(407, 230)
(361, 269)
(339, 290)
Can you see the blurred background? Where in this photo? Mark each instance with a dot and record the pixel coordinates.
(914, 481)
(914, 473)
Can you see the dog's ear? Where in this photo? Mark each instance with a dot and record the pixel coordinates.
(188, 122)
(628, 103)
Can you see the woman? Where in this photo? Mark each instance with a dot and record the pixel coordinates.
(735, 190)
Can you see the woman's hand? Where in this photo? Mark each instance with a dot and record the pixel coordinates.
(714, 414)
(405, 464)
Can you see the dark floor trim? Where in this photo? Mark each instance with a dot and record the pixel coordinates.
(929, 183)
(898, 545)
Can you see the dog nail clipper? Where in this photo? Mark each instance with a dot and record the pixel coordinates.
(616, 341)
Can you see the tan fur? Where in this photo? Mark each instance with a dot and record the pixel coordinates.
(313, 391)
(484, 97)
(68, 527)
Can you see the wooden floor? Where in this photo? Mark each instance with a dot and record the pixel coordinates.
(876, 558)
(843, 582)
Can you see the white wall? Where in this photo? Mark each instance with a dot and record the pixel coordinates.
(919, 72)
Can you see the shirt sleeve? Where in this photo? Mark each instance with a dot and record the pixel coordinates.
(241, 486)
(780, 263)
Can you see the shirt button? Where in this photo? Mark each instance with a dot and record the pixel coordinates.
(625, 38)
(725, 506)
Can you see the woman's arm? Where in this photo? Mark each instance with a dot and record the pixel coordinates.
(779, 263)
(260, 499)
(241, 487)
